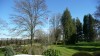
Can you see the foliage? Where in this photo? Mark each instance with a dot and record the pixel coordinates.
(35, 49)
(38, 49)
(67, 24)
(85, 27)
(92, 32)
(79, 30)
(51, 52)
(82, 53)
(88, 28)
(24, 50)
(9, 51)
(72, 39)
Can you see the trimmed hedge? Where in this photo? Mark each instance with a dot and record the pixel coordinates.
(82, 53)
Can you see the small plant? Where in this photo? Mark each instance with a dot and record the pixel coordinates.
(96, 53)
(24, 50)
(9, 51)
(27, 50)
(82, 53)
(52, 52)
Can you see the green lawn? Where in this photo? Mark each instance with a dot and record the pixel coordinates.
(64, 51)
(69, 50)
(1, 52)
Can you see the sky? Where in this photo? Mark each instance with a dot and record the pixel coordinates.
(77, 8)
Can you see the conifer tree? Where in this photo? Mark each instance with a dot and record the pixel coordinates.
(79, 29)
(67, 24)
(88, 28)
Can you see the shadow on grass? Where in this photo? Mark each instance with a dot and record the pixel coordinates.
(88, 44)
(92, 49)
(82, 48)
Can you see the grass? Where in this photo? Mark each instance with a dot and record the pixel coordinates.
(64, 51)
(85, 48)
(97, 43)
(69, 50)
(1, 52)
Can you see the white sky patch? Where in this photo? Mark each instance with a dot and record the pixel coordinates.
(46, 30)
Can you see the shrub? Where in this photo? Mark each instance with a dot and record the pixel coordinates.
(24, 50)
(96, 53)
(17, 48)
(82, 53)
(34, 49)
(9, 51)
(52, 52)
(31, 51)
(2, 49)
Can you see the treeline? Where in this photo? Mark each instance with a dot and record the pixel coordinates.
(73, 30)
(16, 41)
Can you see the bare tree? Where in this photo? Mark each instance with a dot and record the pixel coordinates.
(28, 16)
(3, 24)
(55, 25)
(97, 20)
(41, 36)
(3, 28)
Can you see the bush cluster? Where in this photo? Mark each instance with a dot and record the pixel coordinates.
(9, 51)
(52, 52)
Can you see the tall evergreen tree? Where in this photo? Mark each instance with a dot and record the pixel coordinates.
(85, 27)
(67, 24)
(73, 39)
(88, 28)
(92, 33)
(79, 29)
